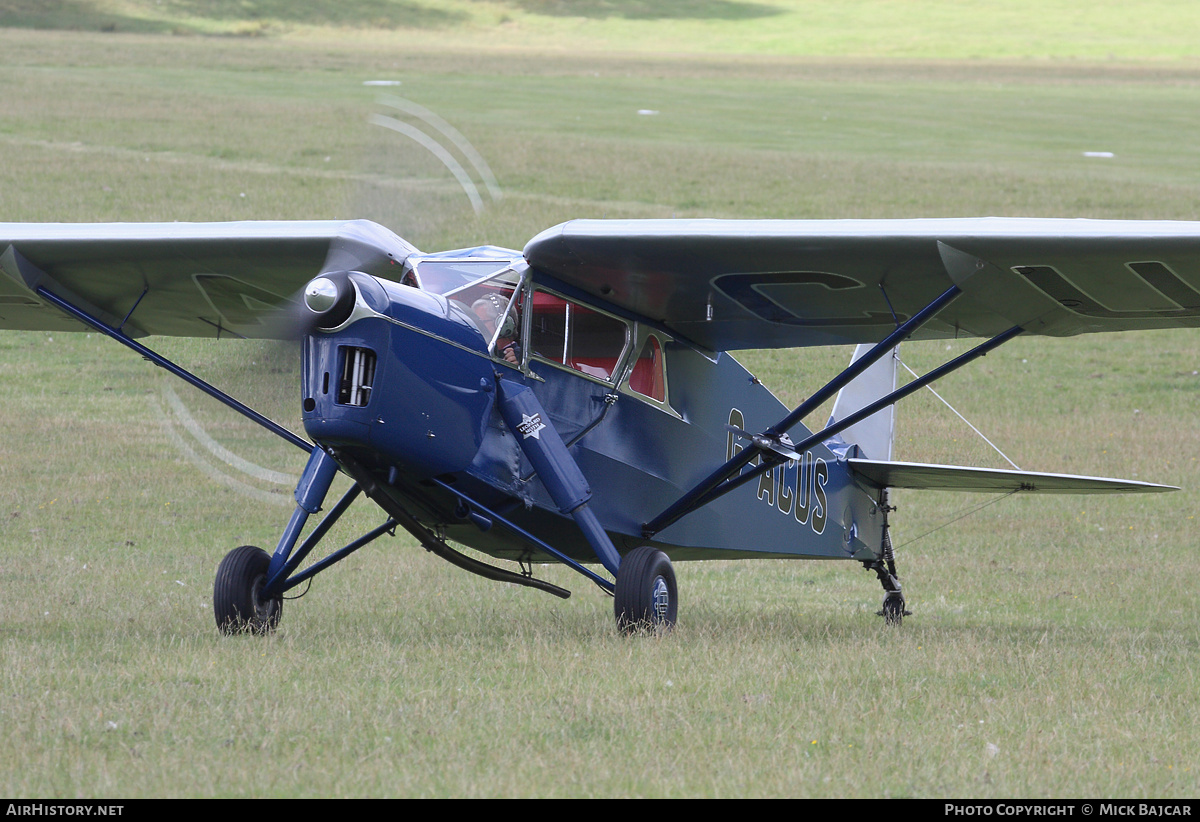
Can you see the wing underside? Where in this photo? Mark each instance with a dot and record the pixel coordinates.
(723, 284)
(182, 279)
(776, 284)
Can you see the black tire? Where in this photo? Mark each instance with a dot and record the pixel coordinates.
(237, 603)
(893, 609)
(646, 597)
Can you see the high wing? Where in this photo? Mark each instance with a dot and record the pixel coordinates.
(182, 279)
(732, 284)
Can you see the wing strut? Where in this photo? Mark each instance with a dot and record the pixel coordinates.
(902, 333)
(770, 461)
(700, 494)
(185, 375)
(773, 446)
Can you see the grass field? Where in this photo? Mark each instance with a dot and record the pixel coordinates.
(1103, 30)
(1053, 650)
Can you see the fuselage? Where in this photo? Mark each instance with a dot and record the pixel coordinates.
(407, 381)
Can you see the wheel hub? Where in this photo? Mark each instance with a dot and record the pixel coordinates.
(661, 599)
(264, 609)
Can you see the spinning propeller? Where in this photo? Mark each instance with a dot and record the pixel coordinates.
(424, 180)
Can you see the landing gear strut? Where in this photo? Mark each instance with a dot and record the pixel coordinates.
(893, 610)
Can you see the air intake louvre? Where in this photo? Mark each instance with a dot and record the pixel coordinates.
(358, 375)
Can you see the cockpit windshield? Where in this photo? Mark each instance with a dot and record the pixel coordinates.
(487, 291)
(447, 276)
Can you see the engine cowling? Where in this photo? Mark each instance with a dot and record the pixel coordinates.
(401, 376)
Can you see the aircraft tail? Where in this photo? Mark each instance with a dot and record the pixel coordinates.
(874, 435)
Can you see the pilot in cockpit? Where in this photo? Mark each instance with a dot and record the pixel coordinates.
(490, 310)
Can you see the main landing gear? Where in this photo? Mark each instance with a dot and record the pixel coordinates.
(250, 584)
(238, 603)
(646, 597)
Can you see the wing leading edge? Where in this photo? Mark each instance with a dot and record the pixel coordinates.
(180, 279)
(731, 284)
(722, 284)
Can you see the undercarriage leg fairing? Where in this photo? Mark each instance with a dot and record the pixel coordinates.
(645, 596)
(555, 467)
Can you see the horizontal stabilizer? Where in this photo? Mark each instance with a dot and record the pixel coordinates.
(988, 480)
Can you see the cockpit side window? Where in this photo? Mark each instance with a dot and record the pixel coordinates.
(548, 332)
(648, 376)
(567, 333)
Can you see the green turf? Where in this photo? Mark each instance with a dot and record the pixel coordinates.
(1103, 30)
(1053, 650)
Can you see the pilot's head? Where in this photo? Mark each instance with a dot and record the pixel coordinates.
(489, 309)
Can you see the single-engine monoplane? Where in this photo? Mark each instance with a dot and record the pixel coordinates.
(574, 402)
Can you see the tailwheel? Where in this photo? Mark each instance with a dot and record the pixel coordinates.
(646, 598)
(238, 604)
(893, 611)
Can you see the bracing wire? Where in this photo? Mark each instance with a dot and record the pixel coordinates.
(965, 513)
(961, 417)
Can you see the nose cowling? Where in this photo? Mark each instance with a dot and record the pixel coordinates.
(422, 401)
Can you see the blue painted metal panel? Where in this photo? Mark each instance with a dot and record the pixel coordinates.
(433, 385)
(641, 459)
(432, 412)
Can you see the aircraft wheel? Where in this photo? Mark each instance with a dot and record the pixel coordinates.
(893, 612)
(237, 602)
(646, 598)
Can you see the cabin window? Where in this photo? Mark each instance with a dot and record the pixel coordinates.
(648, 377)
(570, 334)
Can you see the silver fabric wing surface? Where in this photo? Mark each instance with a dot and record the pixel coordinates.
(181, 279)
(735, 284)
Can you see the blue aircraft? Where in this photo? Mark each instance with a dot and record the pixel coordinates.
(573, 402)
